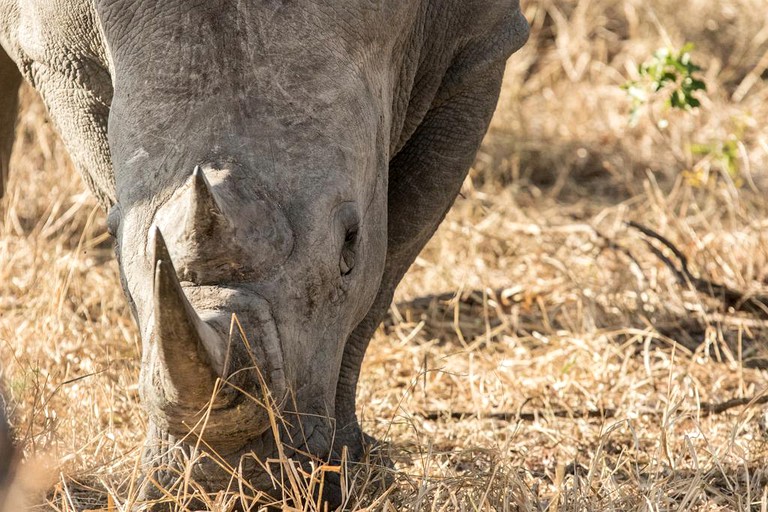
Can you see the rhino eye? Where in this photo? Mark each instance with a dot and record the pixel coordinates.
(347, 261)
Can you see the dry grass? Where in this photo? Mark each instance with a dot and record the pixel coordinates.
(588, 370)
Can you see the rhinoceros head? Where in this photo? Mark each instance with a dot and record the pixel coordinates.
(250, 152)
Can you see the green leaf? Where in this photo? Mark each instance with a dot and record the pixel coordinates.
(687, 47)
(698, 85)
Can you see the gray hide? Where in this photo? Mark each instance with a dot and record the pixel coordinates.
(6, 455)
(282, 161)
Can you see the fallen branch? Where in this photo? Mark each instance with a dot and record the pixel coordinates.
(708, 409)
(704, 409)
(754, 304)
(518, 416)
(504, 295)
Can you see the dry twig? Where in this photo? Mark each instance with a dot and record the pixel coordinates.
(703, 409)
(754, 304)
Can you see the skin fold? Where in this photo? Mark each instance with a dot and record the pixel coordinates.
(270, 171)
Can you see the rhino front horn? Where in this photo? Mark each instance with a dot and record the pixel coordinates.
(184, 342)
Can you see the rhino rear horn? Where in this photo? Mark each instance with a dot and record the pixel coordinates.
(204, 216)
(184, 341)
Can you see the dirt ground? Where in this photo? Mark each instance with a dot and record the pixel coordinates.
(540, 355)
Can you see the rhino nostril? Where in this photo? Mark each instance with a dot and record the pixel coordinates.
(254, 356)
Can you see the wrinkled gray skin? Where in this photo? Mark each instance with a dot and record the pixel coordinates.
(331, 139)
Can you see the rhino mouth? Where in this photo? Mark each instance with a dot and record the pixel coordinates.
(215, 372)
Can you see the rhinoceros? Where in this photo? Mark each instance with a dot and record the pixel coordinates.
(270, 169)
(6, 455)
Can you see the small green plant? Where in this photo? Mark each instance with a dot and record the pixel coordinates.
(671, 76)
(667, 72)
(721, 155)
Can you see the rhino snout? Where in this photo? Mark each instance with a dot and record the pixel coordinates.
(216, 373)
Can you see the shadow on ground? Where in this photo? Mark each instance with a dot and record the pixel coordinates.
(720, 335)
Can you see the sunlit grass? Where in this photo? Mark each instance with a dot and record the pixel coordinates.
(580, 362)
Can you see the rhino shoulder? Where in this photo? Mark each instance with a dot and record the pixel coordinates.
(57, 40)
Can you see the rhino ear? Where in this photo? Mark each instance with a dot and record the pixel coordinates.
(204, 215)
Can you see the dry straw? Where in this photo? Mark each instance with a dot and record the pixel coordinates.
(558, 365)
